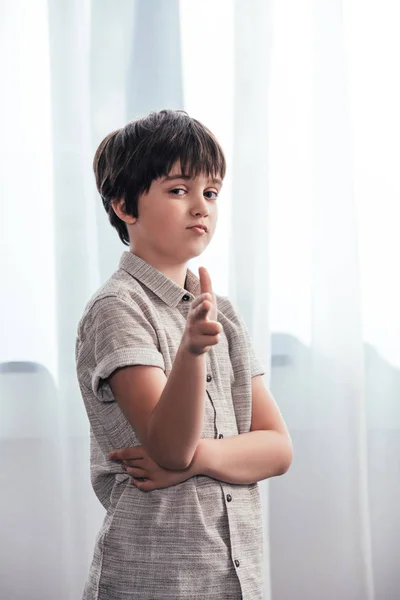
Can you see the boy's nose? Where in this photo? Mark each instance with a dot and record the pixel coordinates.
(200, 212)
(200, 205)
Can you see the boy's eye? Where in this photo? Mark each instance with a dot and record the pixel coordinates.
(210, 194)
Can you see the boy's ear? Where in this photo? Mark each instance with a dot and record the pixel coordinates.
(118, 205)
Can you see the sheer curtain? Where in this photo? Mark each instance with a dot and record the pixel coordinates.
(303, 97)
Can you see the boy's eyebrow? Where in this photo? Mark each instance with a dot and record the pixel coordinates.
(181, 176)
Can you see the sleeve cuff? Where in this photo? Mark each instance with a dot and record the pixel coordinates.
(257, 368)
(124, 357)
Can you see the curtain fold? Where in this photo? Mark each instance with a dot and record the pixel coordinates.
(303, 97)
(248, 250)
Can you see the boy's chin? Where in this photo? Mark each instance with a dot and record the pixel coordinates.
(194, 254)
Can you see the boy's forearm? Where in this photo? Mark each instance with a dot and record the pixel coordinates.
(177, 421)
(245, 458)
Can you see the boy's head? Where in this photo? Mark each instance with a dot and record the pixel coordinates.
(151, 210)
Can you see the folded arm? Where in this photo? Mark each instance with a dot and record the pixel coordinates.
(266, 451)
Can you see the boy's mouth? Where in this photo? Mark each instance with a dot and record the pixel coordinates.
(199, 226)
(198, 230)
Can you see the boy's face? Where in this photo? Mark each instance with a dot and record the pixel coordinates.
(167, 212)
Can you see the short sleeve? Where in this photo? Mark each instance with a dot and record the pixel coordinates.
(120, 334)
(241, 341)
(256, 366)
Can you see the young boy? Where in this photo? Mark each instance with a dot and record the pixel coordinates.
(171, 383)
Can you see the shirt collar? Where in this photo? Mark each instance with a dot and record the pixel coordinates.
(167, 290)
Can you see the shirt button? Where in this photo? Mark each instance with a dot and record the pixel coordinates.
(209, 378)
(220, 436)
(229, 498)
(237, 563)
(185, 297)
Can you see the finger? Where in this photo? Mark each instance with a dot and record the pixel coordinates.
(114, 455)
(200, 299)
(209, 328)
(205, 281)
(144, 486)
(205, 341)
(202, 310)
(135, 471)
(132, 462)
(209, 340)
(125, 453)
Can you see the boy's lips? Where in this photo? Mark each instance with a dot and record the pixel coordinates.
(198, 230)
(199, 226)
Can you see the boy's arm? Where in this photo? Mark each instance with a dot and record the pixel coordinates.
(265, 451)
(167, 413)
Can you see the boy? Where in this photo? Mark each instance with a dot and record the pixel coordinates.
(171, 383)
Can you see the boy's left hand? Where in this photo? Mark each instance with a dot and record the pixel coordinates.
(146, 474)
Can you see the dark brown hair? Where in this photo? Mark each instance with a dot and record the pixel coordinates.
(129, 159)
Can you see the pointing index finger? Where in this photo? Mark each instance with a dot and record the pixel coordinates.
(205, 281)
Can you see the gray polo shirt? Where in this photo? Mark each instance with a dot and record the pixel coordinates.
(201, 539)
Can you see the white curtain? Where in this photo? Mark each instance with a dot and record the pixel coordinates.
(304, 98)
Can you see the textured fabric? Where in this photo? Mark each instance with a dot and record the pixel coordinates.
(201, 539)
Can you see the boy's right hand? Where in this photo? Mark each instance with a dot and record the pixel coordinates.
(202, 329)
